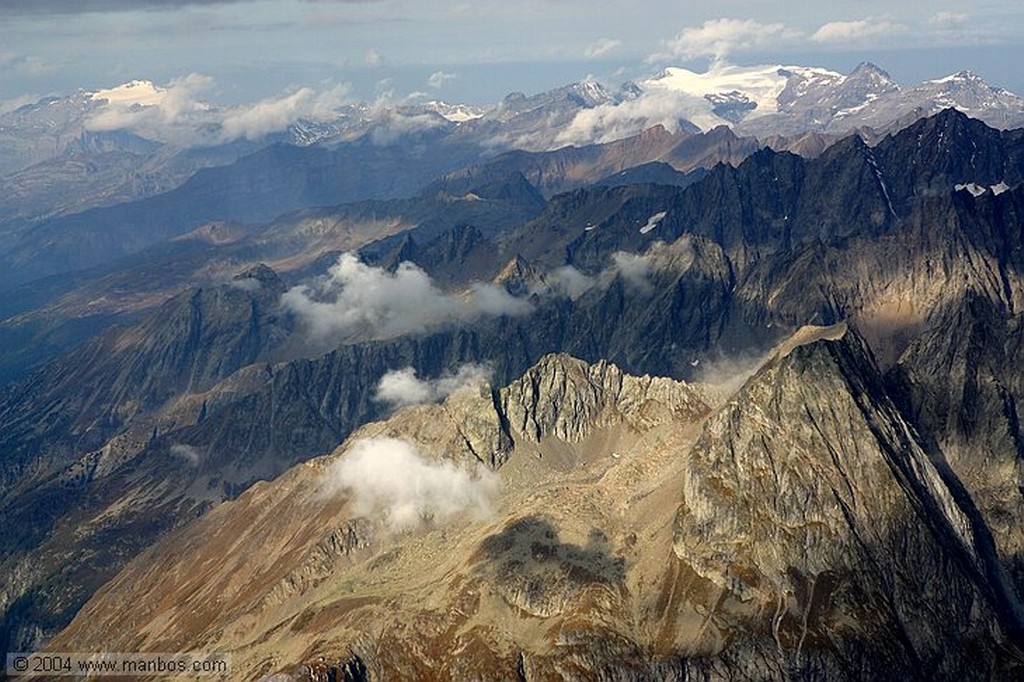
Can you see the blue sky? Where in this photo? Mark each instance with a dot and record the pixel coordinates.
(477, 51)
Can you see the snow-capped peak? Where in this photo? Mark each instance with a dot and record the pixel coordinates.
(761, 85)
(592, 92)
(456, 113)
(960, 77)
(141, 92)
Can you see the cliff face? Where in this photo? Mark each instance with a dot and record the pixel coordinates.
(812, 491)
(960, 384)
(797, 527)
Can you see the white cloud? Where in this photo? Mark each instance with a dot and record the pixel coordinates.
(402, 387)
(719, 38)
(570, 282)
(274, 114)
(393, 126)
(855, 31)
(187, 453)
(358, 302)
(634, 269)
(439, 79)
(615, 121)
(29, 65)
(36, 66)
(176, 113)
(373, 59)
(265, 116)
(728, 374)
(392, 481)
(488, 299)
(170, 114)
(601, 47)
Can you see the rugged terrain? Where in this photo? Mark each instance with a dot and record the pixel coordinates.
(795, 527)
(727, 527)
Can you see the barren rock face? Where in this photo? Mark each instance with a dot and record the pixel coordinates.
(799, 528)
(568, 399)
(809, 488)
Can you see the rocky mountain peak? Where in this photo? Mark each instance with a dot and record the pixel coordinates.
(962, 77)
(264, 275)
(518, 276)
(870, 71)
(591, 93)
(567, 398)
(809, 470)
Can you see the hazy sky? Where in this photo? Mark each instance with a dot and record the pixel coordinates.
(478, 51)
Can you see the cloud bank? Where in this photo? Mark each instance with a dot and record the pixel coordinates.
(392, 481)
(358, 302)
(402, 387)
(276, 114)
(177, 113)
(161, 113)
(672, 109)
(569, 282)
(636, 271)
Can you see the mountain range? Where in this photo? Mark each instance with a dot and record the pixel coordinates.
(733, 395)
(65, 155)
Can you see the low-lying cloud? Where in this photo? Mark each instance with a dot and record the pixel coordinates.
(727, 374)
(570, 282)
(390, 480)
(356, 301)
(393, 120)
(164, 113)
(275, 114)
(187, 453)
(401, 387)
(635, 269)
(675, 110)
(177, 113)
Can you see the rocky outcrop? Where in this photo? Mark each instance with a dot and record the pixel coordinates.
(568, 399)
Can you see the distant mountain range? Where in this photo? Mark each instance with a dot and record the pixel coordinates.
(61, 156)
(74, 171)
